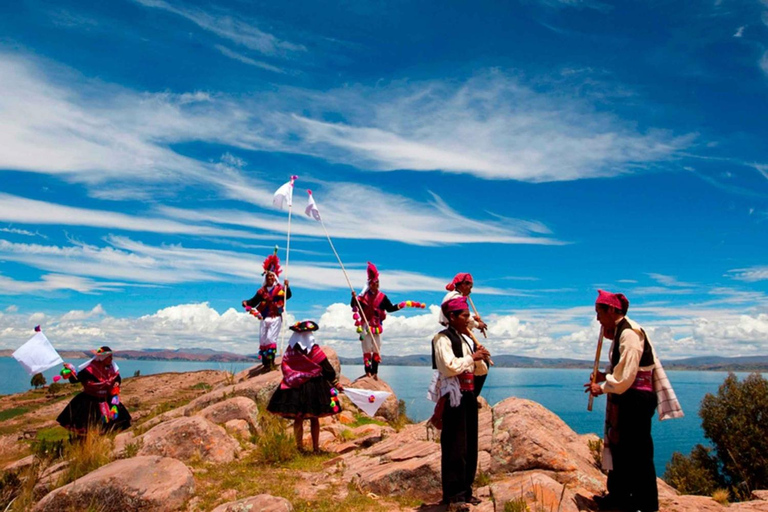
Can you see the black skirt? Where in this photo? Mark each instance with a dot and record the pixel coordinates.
(310, 400)
(83, 412)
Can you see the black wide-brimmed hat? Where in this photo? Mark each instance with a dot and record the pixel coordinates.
(304, 326)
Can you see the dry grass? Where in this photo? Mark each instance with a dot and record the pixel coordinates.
(85, 455)
(721, 496)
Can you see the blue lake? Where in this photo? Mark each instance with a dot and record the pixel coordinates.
(556, 389)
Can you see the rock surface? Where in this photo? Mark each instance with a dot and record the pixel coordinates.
(138, 483)
(260, 503)
(189, 437)
(237, 408)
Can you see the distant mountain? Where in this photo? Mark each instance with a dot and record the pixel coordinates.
(714, 363)
(161, 354)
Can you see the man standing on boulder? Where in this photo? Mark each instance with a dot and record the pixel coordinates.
(632, 380)
(375, 306)
(269, 302)
(454, 358)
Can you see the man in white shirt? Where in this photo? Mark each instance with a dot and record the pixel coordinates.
(454, 358)
(628, 383)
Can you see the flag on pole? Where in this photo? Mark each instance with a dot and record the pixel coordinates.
(367, 400)
(284, 195)
(37, 354)
(311, 209)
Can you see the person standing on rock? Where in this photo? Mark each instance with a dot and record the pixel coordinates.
(461, 286)
(269, 302)
(631, 382)
(375, 306)
(454, 359)
(99, 405)
(310, 385)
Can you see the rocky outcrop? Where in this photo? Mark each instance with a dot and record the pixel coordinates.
(260, 503)
(237, 408)
(190, 437)
(527, 436)
(138, 483)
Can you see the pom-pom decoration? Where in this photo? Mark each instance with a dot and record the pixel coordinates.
(56, 378)
(371, 399)
(272, 264)
(412, 304)
(253, 312)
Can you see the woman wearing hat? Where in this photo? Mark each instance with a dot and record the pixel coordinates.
(310, 386)
(99, 404)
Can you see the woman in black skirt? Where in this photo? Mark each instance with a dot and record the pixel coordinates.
(310, 386)
(98, 406)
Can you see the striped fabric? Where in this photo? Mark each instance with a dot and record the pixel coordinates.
(668, 406)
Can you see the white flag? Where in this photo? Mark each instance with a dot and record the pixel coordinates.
(284, 195)
(367, 400)
(311, 209)
(37, 355)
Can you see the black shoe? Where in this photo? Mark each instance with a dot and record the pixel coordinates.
(608, 502)
(474, 500)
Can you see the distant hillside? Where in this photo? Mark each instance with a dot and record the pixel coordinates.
(159, 354)
(713, 363)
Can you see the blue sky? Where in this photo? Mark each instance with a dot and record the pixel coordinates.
(549, 147)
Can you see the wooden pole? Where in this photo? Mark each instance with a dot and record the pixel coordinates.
(471, 303)
(349, 283)
(595, 368)
(287, 260)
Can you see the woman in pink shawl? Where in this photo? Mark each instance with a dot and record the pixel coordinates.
(310, 386)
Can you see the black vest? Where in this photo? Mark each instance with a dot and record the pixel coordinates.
(645, 360)
(456, 345)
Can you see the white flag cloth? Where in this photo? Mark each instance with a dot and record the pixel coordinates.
(37, 355)
(311, 209)
(284, 196)
(367, 400)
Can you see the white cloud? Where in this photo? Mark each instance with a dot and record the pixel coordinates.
(31, 211)
(669, 280)
(493, 126)
(764, 63)
(135, 262)
(570, 333)
(52, 282)
(356, 211)
(247, 60)
(751, 274)
(229, 26)
(739, 31)
(16, 231)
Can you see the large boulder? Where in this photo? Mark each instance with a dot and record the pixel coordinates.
(258, 388)
(536, 489)
(527, 436)
(237, 408)
(260, 503)
(190, 437)
(138, 483)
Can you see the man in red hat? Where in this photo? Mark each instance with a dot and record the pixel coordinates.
(461, 286)
(269, 301)
(454, 359)
(629, 385)
(375, 306)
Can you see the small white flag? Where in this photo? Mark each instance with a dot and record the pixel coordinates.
(37, 355)
(367, 400)
(311, 209)
(284, 195)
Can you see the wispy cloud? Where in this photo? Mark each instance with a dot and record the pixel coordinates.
(131, 261)
(739, 31)
(408, 221)
(751, 274)
(53, 282)
(229, 26)
(247, 60)
(31, 211)
(492, 126)
(764, 62)
(669, 280)
(17, 231)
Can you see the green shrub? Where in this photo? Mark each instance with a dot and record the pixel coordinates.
(38, 380)
(274, 443)
(735, 420)
(55, 388)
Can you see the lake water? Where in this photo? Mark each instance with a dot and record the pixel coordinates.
(558, 390)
